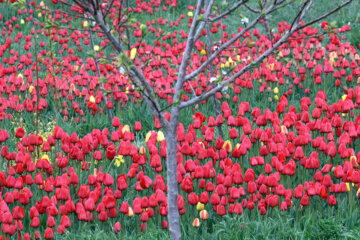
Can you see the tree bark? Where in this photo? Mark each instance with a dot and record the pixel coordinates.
(28, 4)
(171, 163)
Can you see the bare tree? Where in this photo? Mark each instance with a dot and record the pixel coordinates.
(97, 12)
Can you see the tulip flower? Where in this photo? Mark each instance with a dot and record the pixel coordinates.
(196, 222)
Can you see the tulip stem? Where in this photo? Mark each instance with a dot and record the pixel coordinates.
(350, 198)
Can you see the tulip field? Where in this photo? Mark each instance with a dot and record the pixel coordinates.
(275, 154)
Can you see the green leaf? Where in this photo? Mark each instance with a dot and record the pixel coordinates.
(103, 61)
(200, 17)
(102, 79)
(20, 4)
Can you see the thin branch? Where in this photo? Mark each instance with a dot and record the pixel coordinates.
(270, 9)
(222, 48)
(99, 75)
(299, 13)
(326, 14)
(134, 71)
(252, 9)
(192, 89)
(187, 53)
(236, 6)
(108, 10)
(247, 67)
(206, 16)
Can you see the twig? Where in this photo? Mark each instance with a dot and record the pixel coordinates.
(99, 75)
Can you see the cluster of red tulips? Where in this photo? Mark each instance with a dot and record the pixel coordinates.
(281, 156)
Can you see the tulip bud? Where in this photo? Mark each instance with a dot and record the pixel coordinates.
(196, 222)
(204, 215)
(200, 206)
(160, 136)
(133, 53)
(227, 146)
(353, 161)
(126, 128)
(130, 212)
(276, 90)
(348, 187)
(142, 150)
(92, 98)
(31, 88)
(148, 135)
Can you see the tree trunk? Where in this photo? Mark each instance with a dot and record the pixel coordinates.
(171, 163)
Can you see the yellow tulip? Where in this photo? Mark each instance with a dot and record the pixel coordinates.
(271, 66)
(133, 53)
(276, 90)
(200, 206)
(160, 136)
(203, 52)
(96, 48)
(85, 24)
(190, 14)
(45, 156)
(31, 88)
(126, 128)
(130, 212)
(348, 187)
(92, 99)
(148, 135)
(353, 161)
(22, 21)
(142, 150)
(276, 97)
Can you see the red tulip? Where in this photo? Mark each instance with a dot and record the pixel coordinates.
(117, 227)
(187, 185)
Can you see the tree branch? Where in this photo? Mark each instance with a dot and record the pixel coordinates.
(187, 53)
(221, 85)
(134, 71)
(222, 48)
(236, 6)
(326, 14)
(99, 75)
